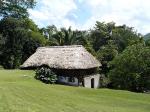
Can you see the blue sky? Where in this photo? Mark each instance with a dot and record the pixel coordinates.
(82, 14)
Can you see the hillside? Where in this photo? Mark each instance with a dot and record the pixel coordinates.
(147, 36)
(20, 92)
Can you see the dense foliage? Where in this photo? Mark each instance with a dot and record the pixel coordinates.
(46, 75)
(18, 41)
(15, 8)
(131, 69)
(109, 40)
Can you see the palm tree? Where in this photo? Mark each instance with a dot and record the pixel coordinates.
(64, 37)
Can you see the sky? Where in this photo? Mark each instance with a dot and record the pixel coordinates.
(83, 14)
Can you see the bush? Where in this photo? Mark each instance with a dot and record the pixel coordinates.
(46, 75)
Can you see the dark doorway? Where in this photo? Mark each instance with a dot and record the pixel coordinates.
(92, 83)
(83, 82)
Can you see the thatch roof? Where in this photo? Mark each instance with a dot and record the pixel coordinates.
(62, 57)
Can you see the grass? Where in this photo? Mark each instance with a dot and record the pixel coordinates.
(20, 92)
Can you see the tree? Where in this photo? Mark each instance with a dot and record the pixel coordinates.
(62, 37)
(15, 8)
(30, 25)
(2, 42)
(124, 36)
(34, 40)
(120, 36)
(108, 40)
(20, 41)
(12, 49)
(49, 31)
(101, 34)
(131, 69)
(106, 54)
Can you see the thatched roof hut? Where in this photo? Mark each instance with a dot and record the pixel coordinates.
(62, 57)
(74, 65)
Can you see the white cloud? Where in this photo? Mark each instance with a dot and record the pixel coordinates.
(53, 12)
(97, 2)
(134, 13)
(130, 12)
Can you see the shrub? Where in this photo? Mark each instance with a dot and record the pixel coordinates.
(46, 75)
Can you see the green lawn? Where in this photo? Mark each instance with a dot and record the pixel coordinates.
(20, 92)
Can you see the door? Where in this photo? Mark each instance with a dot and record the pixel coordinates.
(83, 82)
(92, 83)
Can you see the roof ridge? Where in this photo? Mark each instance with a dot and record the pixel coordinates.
(65, 46)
